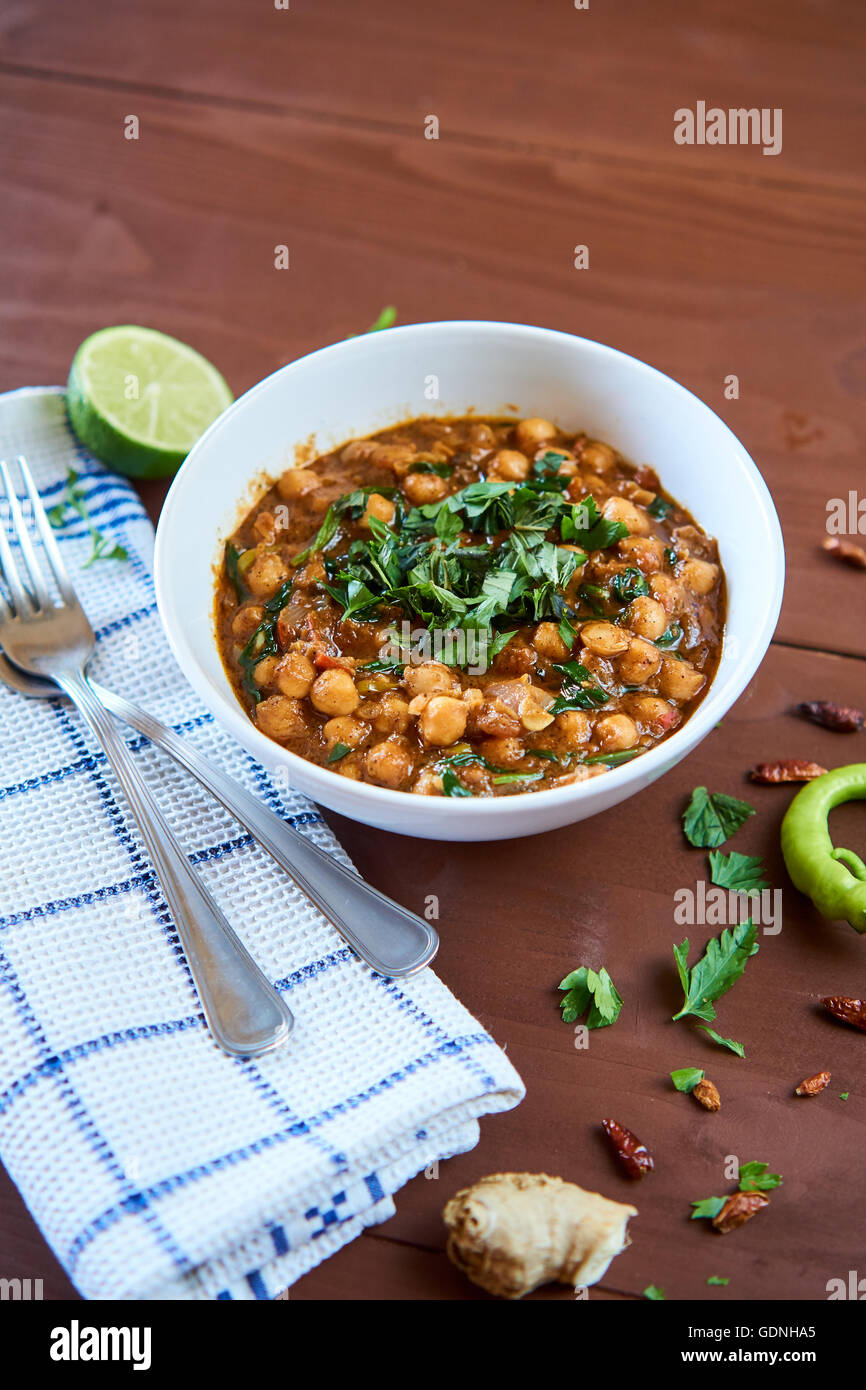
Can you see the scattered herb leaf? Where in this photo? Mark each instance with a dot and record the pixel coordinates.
(584, 985)
(687, 1078)
(744, 873)
(712, 817)
(660, 508)
(724, 1042)
(707, 1208)
(654, 1293)
(73, 499)
(718, 1279)
(721, 965)
(755, 1178)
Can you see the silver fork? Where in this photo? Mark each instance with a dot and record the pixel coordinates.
(246, 1015)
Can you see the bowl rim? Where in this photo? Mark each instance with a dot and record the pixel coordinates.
(630, 775)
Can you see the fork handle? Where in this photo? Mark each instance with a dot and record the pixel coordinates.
(246, 1015)
(390, 938)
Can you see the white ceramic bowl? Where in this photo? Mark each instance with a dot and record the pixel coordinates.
(371, 382)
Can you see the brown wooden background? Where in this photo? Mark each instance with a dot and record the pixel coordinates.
(261, 126)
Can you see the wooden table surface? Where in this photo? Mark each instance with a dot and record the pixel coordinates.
(261, 126)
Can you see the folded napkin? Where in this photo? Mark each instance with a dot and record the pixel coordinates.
(155, 1165)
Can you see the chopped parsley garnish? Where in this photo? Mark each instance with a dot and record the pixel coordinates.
(395, 668)
(588, 989)
(744, 873)
(718, 1279)
(670, 636)
(623, 755)
(655, 1293)
(338, 751)
(687, 1078)
(442, 470)
(73, 499)
(660, 508)
(386, 319)
(264, 640)
(711, 818)
(629, 584)
(720, 967)
(578, 691)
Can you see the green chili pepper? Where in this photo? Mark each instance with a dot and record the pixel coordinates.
(835, 879)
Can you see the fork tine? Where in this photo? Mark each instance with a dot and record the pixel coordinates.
(22, 602)
(52, 549)
(22, 531)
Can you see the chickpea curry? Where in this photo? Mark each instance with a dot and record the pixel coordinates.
(470, 607)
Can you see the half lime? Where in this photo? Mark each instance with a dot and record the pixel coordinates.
(139, 399)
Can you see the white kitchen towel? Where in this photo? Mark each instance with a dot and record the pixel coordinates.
(155, 1165)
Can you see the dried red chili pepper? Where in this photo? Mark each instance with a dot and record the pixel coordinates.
(632, 1154)
(843, 719)
(851, 1011)
(738, 1209)
(787, 770)
(846, 551)
(813, 1085)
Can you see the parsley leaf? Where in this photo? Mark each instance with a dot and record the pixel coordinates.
(718, 1279)
(584, 985)
(721, 965)
(712, 817)
(724, 1042)
(660, 508)
(654, 1293)
(744, 873)
(755, 1178)
(687, 1078)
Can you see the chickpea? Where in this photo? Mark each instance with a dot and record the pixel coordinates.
(422, 488)
(616, 732)
(644, 551)
(333, 692)
(294, 675)
(640, 663)
(388, 763)
(620, 509)
(597, 457)
(654, 711)
(547, 642)
(533, 432)
(345, 729)
(429, 783)
(265, 527)
(502, 751)
(263, 671)
(604, 638)
(509, 466)
(575, 727)
(391, 715)
(647, 617)
(281, 717)
(679, 681)
(482, 436)
(699, 575)
(443, 720)
(266, 574)
(246, 620)
(358, 451)
(397, 457)
(378, 506)
(295, 482)
(669, 593)
(430, 678)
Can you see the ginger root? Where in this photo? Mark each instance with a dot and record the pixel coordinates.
(511, 1232)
